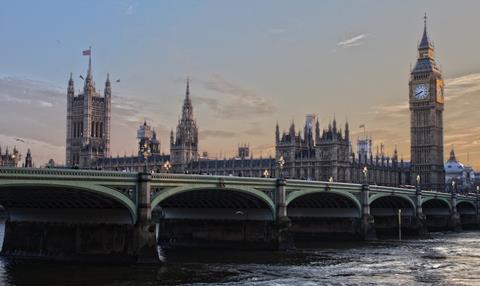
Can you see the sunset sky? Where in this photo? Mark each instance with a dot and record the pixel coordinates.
(252, 63)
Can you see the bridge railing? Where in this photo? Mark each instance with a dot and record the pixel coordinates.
(12, 171)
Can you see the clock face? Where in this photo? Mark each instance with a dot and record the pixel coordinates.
(421, 91)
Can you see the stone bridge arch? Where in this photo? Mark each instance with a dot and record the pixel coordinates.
(66, 195)
(467, 207)
(385, 208)
(213, 216)
(387, 204)
(319, 214)
(436, 206)
(236, 199)
(334, 199)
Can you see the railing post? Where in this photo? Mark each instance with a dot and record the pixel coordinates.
(282, 222)
(145, 244)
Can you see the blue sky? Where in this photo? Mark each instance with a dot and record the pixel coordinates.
(251, 63)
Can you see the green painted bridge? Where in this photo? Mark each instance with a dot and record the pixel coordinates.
(82, 213)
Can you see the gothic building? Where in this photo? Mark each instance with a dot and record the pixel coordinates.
(310, 153)
(88, 122)
(147, 141)
(9, 159)
(327, 155)
(184, 144)
(426, 102)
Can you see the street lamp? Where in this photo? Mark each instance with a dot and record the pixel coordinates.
(167, 166)
(418, 180)
(146, 152)
(453, 186)
(281, 163)
(330, 180)
(266, 174)
(365, 174)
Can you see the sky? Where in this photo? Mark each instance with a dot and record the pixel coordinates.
(251, 64)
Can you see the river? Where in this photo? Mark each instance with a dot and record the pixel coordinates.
(444, 259)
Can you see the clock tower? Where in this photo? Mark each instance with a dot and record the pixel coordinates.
(426, 102)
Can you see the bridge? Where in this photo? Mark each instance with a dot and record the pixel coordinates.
(126, 216)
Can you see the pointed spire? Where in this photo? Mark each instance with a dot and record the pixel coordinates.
(187, 91)
(452, 155)
(71, 85)
(277, 133)
(425, 41)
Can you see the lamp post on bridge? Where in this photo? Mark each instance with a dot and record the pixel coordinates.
(281, 163)
(146, 152)
(266, 174)
(365, 175)
(367, 220)
(167, 166)
(284, 237)
(418, 194)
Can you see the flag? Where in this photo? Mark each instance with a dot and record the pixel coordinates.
(361, 126)
(87, 52)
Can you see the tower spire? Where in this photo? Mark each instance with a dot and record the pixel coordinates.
(425, 41)
(187, 91)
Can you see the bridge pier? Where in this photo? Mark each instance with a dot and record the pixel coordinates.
(144, 242)
(283, 224)
(454, 223)
(420, 221)
(477, 203)
(367, 222)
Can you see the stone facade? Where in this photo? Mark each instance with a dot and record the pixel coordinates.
(88, 122)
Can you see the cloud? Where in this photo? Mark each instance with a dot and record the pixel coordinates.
(352, 42)
(216, 134)
(462, 86)
(235, 101)
(131, 8)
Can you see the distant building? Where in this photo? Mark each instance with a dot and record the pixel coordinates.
(147, 141)
(364, 148)
(88, 122)
(28, 160)
(464, 177)
(9, 159)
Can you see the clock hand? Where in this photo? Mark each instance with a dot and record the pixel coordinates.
(418, 92)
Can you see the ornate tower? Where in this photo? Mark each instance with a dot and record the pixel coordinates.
(88, 121)
(184, 146)
(426, 117)
(28, 160)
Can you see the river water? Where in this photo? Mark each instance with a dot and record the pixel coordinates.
(445, 259)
